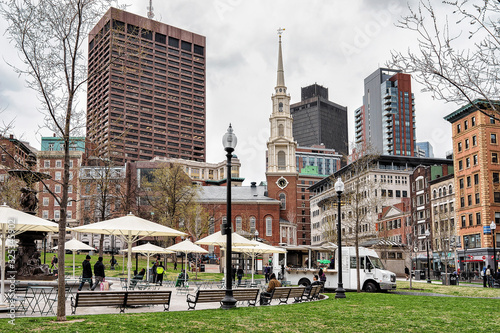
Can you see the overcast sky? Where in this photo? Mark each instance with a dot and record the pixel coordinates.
(333, 43)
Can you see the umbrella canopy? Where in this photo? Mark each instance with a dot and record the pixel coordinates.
(220, 240)
(14, 222)
(132, 228)
(186, 247)
(258, 248)
(149, 250)
(75, 245)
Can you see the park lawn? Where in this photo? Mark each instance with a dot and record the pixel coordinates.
(121, 270)
(460, 290)
(363, 312)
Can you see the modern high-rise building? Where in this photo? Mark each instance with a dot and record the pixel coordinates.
(146, 89)
(424, 149)
(386, 121)
(316, 120)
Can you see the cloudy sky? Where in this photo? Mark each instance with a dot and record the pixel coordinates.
(333, 43)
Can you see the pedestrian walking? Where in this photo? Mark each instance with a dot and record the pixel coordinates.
(86, 273)
(175, 265)
(407, 272)
(98, 273)
(53, 263)
(240, 274)
(160, 270)
(267, 272)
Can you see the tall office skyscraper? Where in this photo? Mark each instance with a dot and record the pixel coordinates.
(146, 89)
(386, 121)
(316, 120)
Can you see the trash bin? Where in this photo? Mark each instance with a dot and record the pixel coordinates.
(202, 268)
(417, 274)
(453, 280)
(422, 275)
(445, 278)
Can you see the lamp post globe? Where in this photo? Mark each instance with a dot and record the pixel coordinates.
(339, 188)
(229, 141)
(427, 234)
(493, 227)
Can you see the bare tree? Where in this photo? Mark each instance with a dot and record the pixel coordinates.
(457, 58)
(50, 36)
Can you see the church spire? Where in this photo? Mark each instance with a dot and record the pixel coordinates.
(281, 72)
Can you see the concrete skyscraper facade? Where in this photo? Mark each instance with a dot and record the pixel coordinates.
(386, 121)
(316, 120)
(146, 89)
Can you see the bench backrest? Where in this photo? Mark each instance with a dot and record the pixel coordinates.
(206, 295)
(247, 294)
(96, 298)
(281, 292)
(296, 292)
(315, 290)
(146, 297)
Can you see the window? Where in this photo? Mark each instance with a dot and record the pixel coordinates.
(238, 223)
(69, 214)
(460, 165)
(459, 146)
(494, 157)
(469, 200)
(459, 128)
(468, 181)
(466, 143)
(45, 201)
(46, 164)
(462, 218)
(471, 222)
(58, 164)
(58, 189)
(58, 175)
(476, 179)
(475, 159)
(473, 121)
(45, 214)
(492, 120)
(493, 138)
(467, 162)
(496, 178)
(269, 226)
(57, 215)
(466, 124)
(462, 202)
(461, 183)
(474, 141)
(70, 188)
(252, 224)
(477, 198)
(496, 196)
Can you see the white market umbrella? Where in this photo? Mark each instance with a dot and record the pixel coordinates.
(15, 222)
(131, 228)
(258, 248)
(220, 240)
(149, 250)
(186, 247)
(75, 245)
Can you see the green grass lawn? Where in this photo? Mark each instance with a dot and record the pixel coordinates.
(121, 270)
(364, 312)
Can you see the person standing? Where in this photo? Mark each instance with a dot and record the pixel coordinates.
(113, 261)
(267, 272)
(54, 261)
(159, 273)
(87, 273)
(407, 272)
(154, 271)
(240, 274)
(489, 275)
(175, 265)
(98, 273)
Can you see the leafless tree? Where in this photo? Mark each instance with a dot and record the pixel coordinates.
(51, 36)
(458, 54)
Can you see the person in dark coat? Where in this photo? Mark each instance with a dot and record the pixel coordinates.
(87, 273)
(98, 273)
(240, 274)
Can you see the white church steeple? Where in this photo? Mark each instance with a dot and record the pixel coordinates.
(281, 145)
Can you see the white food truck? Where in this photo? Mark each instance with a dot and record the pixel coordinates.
(299, 270)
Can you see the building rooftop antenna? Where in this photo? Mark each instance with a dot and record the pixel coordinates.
(150, 10)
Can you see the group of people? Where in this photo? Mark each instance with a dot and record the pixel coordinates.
(157, 271)
(87, 273)
(489, 276)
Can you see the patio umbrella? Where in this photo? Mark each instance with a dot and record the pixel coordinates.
(324, 261)
(187, 247)
(149, 250)
(15, 222)
(220, 240)
(75, 245)
(258, 248)
(131, 228)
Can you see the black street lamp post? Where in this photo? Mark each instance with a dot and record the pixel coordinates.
(466, 245)
(427, 235)
(229, 141)
(339, 188)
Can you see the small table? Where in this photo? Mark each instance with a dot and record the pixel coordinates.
(42, 294)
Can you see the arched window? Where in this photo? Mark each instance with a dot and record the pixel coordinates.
(434, 194)
(283, 201)
(281, 160)
(450, 189)
(440, 192)
(238, 223)
(281, 130)
(269, 226)
(253, 221)
(280, 107)
(444, 190)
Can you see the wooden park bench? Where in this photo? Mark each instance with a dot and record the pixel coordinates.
(216, 295)
(121, 299)
(279, 293)
(296, 293)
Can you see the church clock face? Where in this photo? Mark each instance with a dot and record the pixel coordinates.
(282, 182)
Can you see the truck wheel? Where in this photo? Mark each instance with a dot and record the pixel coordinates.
(304, 282)
(370, 287)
